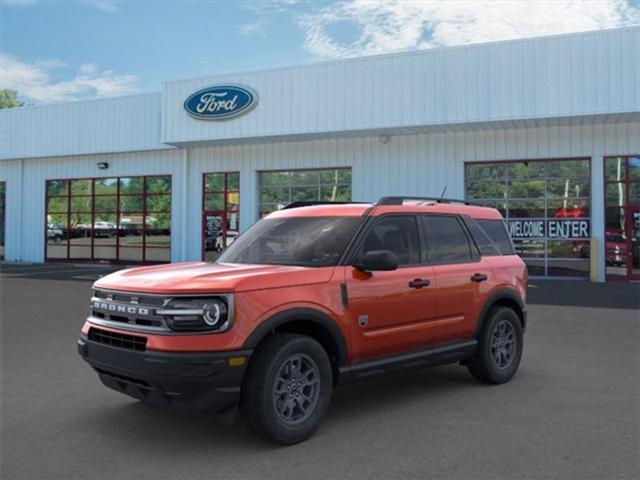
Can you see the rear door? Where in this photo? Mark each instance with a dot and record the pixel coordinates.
(391, 311)
(461, 278)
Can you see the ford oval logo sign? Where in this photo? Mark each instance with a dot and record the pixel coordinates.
(221, 102)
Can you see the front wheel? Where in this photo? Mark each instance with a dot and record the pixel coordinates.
(499, 347)
(287, 390)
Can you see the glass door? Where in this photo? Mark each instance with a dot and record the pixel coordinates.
(214, 234)
(622, 217)
(633, 271)
(220, 212)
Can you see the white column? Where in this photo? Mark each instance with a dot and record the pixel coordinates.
(597, 211)
(179, 209)
(248, 197)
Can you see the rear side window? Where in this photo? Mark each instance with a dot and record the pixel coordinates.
(497, 232)
(446, 240)
(485, 244)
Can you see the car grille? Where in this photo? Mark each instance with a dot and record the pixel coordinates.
(128, 309)
(119, 340)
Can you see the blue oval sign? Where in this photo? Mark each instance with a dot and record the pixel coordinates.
(221, 102)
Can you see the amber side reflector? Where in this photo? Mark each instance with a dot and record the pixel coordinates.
(236, 361)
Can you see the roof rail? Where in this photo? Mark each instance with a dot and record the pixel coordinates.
(399, 200)
(305, 203)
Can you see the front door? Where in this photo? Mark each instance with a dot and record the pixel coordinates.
(220, 212)
(214, 234)
(622, 217)
(391, 311)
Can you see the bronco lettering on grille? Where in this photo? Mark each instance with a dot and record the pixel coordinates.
(114, 307)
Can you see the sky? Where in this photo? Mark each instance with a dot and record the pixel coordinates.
(56, 51)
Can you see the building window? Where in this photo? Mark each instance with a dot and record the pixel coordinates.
(220, 212)
(3, 188)
(622, 217)
(279, 188)
(547, 206)
(123, 219)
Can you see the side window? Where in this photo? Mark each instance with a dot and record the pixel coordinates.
(398, 234)
(486, 245)
(497, 232)
(446, 240)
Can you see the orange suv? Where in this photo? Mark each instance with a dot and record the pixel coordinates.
(310, 297)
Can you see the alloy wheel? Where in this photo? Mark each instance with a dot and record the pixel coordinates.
(503, 344)
(296, 389)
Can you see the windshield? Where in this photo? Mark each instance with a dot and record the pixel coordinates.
(300, 241)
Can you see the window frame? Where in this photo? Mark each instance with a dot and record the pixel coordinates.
(627, 207)
(225, 211)
(261, 212)
(545, 260)
(92, 213)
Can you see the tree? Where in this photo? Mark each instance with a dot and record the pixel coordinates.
(9, 99)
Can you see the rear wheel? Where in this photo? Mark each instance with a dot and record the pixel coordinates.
(499, 347)
(287, 390)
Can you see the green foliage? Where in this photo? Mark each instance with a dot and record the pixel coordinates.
(9, 99)
(281, 188)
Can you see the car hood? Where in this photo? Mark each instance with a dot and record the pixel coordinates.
(202, 277)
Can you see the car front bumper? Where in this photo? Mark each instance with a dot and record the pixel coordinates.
(194, 381)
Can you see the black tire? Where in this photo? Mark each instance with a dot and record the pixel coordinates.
(272, 370)
(494, 360)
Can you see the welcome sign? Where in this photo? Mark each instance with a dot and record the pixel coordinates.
(221, 102)
(569, 229)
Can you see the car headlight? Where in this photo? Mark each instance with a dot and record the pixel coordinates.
(211, 314)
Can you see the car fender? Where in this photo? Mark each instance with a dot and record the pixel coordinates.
(296, 313)
(495, 297)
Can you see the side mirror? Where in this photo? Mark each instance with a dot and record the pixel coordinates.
(377, 260)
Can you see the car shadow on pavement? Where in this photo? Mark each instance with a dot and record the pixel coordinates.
(364, 401)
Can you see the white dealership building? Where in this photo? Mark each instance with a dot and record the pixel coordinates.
(545, 129)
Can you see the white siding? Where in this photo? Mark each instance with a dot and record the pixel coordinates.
(26, 193)
(96, 126)
(11, 174)
(562, 76)
(419, 164)
(574, 78)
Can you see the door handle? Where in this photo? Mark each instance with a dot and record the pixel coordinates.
(478, 277)
(419, 283)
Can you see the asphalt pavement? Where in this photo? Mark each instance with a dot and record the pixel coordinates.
(571, 412)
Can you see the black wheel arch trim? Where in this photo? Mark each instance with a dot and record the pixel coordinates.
(300, 314)
(496, 297)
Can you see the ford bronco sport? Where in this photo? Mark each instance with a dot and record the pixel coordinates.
(310, 297)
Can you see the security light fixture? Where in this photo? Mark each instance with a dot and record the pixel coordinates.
(103, 165)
